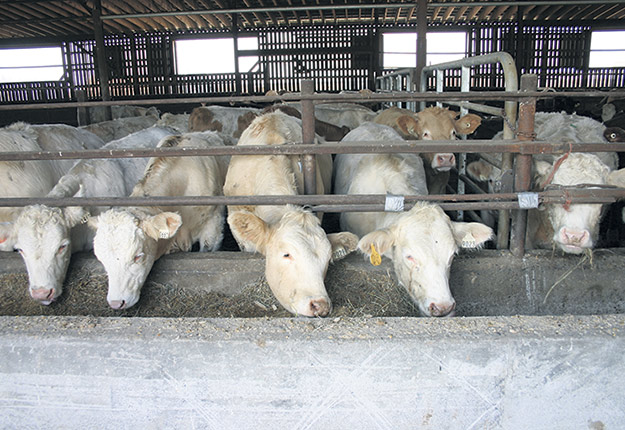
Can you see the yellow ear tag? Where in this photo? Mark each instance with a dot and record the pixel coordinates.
(375, 258)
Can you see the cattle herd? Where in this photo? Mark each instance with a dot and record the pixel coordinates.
(420, 242)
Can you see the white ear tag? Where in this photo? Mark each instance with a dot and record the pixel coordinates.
(468, 241)
(163, 234)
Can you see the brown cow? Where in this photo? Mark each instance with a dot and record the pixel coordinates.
(433, 123)
(231, 121)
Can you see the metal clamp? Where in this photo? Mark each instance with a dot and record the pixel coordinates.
(528, 200)
(394, 203)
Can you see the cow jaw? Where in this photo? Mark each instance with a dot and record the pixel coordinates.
(43, 241)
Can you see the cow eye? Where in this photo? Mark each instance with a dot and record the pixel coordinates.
(613, 135)
(286, 255)
(19, 250)
(139, 257)
(426, 134)
(410, 259)
(61, 249)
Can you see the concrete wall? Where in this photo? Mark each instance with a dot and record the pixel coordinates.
(393, 373)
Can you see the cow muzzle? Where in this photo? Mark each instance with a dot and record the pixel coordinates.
(443, 162)
(574, 241)
(45, 296)
(442, 309)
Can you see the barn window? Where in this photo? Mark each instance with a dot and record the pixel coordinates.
(607, 49)
(205, 56)
(400, 49)
(31, 64)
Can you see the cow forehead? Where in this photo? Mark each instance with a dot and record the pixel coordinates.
(38, 222)
(579, 169)
(120, 232)
(428, 232)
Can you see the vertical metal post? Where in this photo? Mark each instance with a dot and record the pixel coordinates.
(82, 116)
(523, 172)
(309, 166)
(103, 72)
(422, 45)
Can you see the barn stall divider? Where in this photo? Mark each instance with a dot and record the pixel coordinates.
(533, 328)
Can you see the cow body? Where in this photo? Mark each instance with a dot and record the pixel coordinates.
(421, 242)
(35, 178)
(296, 249)
(329, 132)
(47, 236)
(433, 123)
(129, 240)
(121, 127)
(231, 121)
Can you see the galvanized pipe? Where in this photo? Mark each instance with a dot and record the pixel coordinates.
(404, 96)
(523, 172)
(309, 165)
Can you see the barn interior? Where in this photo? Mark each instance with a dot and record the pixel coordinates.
(559, 319)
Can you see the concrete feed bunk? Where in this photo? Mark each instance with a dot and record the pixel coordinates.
(370, 364)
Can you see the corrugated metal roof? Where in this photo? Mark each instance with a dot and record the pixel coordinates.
(67, 18)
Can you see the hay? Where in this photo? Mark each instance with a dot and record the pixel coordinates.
(354, 293)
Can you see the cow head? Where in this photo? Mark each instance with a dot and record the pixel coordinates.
(422, 244)
(43, 239)
(575, 226)
(127, 246)
(297, 253)
(435, 123)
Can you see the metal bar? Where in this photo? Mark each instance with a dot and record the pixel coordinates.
(523, 173)
(362, 147)
(329, 98)
(308, 136)
(471, 201)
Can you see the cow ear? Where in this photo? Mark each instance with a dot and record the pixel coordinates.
(541, 171)
(382, 241)
(162, 226)
(617, 178)
(75, 215)
(471, 234)
(480, 170)
(408, 125)
(250, 228)
(6, 236)
(342, 244)
(467, 123)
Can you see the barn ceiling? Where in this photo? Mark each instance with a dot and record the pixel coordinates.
(68, 18)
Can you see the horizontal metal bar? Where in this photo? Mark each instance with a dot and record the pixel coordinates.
(330, 98)
(359, 202)
(362, 147)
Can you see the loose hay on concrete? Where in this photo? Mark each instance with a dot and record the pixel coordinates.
(353, 294)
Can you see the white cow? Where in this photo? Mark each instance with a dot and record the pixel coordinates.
(129, 240)
(570, 228)
(47, 236)
(296, 249)
(421, 242)
(121, 127)
(35, 178)
(349, 115)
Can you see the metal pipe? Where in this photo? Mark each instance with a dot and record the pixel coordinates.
(309, 165)
(328, 98)
(362, 147)
(469, 201)
(523, 173)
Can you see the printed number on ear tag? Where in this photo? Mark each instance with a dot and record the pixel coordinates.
(375, 258)
(468, 241)
(164, 234)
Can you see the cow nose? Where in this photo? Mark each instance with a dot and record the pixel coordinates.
(445, 160)
(319, 307)
(579, 238)
(44, 295)
(441, 309)
(117, 304)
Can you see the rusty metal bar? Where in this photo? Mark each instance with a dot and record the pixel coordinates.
(406, 96)
(309, 166)
(523, 172)
(559, 195)
(362, 147)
